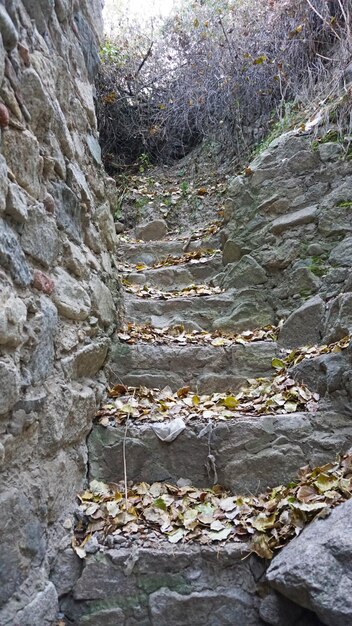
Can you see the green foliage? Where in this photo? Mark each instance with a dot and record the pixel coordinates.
(345, 204)
(184, 187)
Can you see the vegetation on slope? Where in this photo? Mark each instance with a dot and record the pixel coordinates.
(226, 70)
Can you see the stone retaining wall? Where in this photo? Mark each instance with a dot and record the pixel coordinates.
(57, 293)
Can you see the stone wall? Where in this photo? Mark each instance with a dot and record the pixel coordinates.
(58, 297)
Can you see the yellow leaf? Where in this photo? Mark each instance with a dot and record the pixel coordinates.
(196, 23)
(196, 400)
(230, 402)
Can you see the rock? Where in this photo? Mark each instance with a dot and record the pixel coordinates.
(16, 204)
(3, 183)
(12, 257)
(22, 153)
(75, 260)
(40, 11)
(65, 571)
(70, 297)
(315, 249)
(40, 237)
(302, 162)
(105, 223)
(42, 358)
(87, 361)
(2, 62)
(78, 183)
(297, 218)
(42, 282)
(38, 102)
(330, 151)
(13, 315)
(279, 611)
(43, 609)
(89, 45)
(341, 255)
(102, 302)
(245, 273)
(9, 385)
(119, 228)
(151, 231)
(22, 541)
(67, 211)
(315, 569)
(305, 325)
(94, 148)
(203, 607)
(250, 311)
(7, 29)
(339, 318)
(232, 252)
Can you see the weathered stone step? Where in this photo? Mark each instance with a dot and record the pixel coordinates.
(194, 312)
(246, 454)
(205, 368)
(167, 585)
(155, 251)
(178, 276)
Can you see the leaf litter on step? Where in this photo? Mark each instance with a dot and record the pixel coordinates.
(265, 522)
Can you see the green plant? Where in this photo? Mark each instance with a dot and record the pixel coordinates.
(184, 187)
(143, 162)
(345, 204)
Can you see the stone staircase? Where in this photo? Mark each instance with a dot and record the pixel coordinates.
(152, 583)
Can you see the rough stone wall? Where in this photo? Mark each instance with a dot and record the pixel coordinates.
(58, 297)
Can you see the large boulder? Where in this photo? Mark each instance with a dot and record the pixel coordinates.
(315, 569)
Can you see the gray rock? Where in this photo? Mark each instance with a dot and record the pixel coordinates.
(70, 297)
(13, 314)
(203, 608)
(245, 273)
(3, 183)
(102, 302)
(251, 311)
(67, 211)
(339, 318)
(89, 45)
(341, 255)
(87, 361)
(43, 609)
(40, 11)
(7, 29)
(232, 252)
(9, 385)
(151, 231)
(315, 569)
(75, 260)
(38, 103)
(65, 571)
(330, 151)
(16, 203)
(297, 218)
(12, 257)
(22, 152)
(119, 228)
(302, 162)
(279, 611)
(94, 148)
(305, 325)
(315, 249)
(106, 226)
(42, 359)
(40, 237)
(22, 542)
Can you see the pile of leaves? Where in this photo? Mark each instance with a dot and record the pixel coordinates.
(147, 291)
(195, 256)
(183, 514)
(134, 333)
(280, 394)
(311, 352)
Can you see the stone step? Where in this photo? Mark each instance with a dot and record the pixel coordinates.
(167, 585)
(195, 312)
(178, 276)
(205, 368)
(245, 454)
(155, 251)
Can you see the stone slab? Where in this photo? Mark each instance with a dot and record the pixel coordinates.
(204, 368)
(250, 453)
